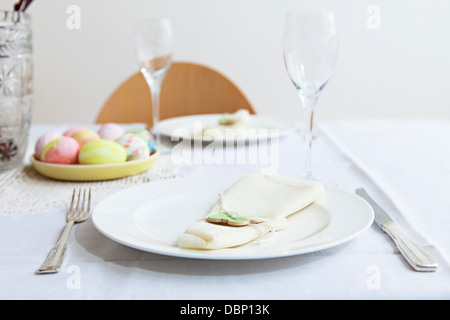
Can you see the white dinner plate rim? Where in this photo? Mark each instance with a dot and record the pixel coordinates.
(170, 250)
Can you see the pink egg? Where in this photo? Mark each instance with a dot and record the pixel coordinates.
(62, 150)
(84, 136)
(71, 131)
(110, 131)
(43, 141)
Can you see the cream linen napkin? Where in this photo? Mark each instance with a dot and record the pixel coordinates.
(273, 197)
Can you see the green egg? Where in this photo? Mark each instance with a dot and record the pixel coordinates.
(102, 151)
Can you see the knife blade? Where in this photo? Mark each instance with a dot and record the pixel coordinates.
(417, 258)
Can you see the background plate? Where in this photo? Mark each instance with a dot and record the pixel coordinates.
(183, 127)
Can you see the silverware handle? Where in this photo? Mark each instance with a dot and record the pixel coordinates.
(55, 258)
(414, 255)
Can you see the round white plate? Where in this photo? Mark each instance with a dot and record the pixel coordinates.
(150, 217)
(184, 128)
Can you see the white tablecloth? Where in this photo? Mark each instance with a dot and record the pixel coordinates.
(403, 164)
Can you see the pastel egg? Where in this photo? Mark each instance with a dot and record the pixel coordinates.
(145, 135)
(101, 151)
(135, 147)
(71, 131)
(62, 150)
(110, 131)
(84, 136)
(43, 141)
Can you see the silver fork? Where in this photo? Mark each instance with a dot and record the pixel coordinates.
(79, 214)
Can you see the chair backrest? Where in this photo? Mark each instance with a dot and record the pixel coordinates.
(187, 89)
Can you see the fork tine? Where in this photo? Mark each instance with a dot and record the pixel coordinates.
(70, 212)
(74, 213)
(77, 211)
(86, 206)
(88, 212)
(81, 210)
(82, 204)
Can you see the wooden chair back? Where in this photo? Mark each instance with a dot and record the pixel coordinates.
(187, 89)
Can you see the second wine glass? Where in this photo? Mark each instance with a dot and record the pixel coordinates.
(154, 41)
(310, 48)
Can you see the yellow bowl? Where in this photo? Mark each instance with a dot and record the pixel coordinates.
(79, 172)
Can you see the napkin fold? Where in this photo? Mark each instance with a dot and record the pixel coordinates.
(235, 125)
(272, 197)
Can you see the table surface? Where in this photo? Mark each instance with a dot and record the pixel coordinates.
(403, 163)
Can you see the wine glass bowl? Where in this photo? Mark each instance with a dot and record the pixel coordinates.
(310, 49)
(154, 41)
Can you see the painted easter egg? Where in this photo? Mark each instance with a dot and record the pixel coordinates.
(101, 151)
(145, 135)
(84, 136)
(71, 131)
(62, 150)
(135, 147)
(110, 131)
(43, 141)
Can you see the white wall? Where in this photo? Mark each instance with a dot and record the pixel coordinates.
(399, 70)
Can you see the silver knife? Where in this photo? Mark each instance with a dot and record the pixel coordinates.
(414, 255)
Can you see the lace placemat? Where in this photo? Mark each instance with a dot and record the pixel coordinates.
(24, 190)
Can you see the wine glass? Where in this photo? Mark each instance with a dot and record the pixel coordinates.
(310, 49)
(153, 39)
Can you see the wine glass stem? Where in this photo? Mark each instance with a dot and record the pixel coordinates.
(154, 83)
(308, 108)
(156, 91)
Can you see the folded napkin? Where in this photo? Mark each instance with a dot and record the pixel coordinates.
(234, 125)
(271, 197)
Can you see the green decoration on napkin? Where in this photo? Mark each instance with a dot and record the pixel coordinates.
(226, 121)
(231, 218)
